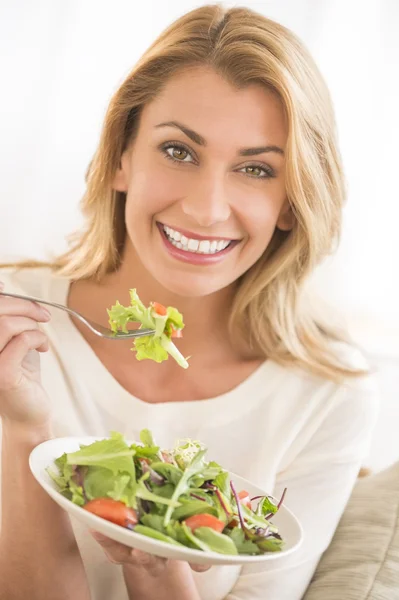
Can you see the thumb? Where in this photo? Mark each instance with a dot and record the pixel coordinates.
(116, 553)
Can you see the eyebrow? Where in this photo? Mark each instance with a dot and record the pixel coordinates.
(200, 140)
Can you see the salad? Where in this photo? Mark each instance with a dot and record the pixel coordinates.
(167, 323)
(175, 496)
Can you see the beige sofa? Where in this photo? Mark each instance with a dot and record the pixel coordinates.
(362, 561)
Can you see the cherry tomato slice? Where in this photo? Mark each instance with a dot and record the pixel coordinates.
(204, 520)
(159, 308)
(176, 333)
(244, 498)
(112, 510)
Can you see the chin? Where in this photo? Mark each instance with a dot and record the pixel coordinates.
(189, 286)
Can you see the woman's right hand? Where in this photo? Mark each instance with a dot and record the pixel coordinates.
(22, 397)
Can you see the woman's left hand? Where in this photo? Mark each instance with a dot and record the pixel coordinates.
(150, 577)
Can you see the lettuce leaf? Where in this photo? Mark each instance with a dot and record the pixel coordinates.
(217, 542)
(191, 469)
(113, 454)
(149, 347)
(243, 545)
(157, 346)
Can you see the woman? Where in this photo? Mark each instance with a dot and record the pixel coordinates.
(217, 187)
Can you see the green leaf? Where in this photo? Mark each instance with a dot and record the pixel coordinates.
(120, 316)
(77, 493)
(211, 471)
(174, 317)
(202, 494)
(270, 544)
(197, 481)
(113, 454)
(145, 494)
(217, 542)
(150, 347)
(142, 312)
(153, 521)
(170, 347)
(146, 438)
(221, 513)
(166, 490)
(170, 472)
(153, 347)
(120, 489)
(156, 522)
(59, 480)
(185, 451)
(160, 323)
(266, 506)
(192, 507)
(186, 537)
(64, 472)
(64, 468)
(181, 488)
(98, 482)
(243, 545)
(157, 535)
(255, 520)
(222, 481)
(144, 451)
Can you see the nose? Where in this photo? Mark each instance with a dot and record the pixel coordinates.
(208, 203)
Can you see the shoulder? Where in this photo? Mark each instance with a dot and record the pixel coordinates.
(353, 399)
(29, 281)
(333, 418)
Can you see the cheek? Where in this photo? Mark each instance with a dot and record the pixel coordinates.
(153, 190)
(259, 216)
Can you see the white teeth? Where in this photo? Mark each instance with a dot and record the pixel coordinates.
(204, 246)
(192, 245)
(213, 246)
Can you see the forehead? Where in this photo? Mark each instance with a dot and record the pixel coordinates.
(204, 101)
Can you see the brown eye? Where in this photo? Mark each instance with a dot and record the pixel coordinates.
(254, 171)
(177, 153)
(258, 171)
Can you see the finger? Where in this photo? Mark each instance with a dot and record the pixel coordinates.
(149, 561)
(199, 568)
(12, 326)
(116, 553)
(15, 352)
(120, 554)
(23, 308)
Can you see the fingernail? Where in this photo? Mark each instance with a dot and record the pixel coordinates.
(46, 312)
(1, 285)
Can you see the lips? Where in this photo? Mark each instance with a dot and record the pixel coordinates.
(196, 257)
(192, 244)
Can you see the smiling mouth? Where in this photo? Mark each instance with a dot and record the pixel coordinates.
(195, 245)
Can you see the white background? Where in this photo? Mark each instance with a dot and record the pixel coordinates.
(63, 60)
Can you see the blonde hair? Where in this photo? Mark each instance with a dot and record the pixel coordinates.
(245, 48)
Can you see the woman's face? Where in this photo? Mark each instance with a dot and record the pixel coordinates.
(205, 182)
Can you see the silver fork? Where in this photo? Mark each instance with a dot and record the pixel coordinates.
(99, 330)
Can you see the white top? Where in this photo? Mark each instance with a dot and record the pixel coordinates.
(279, 428)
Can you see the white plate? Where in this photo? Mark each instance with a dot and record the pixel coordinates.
(43, 456)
